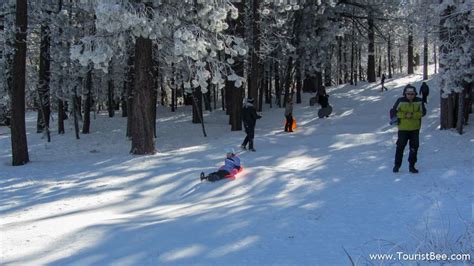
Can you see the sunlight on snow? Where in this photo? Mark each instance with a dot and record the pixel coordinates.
(182, 253)
(344, 141)
(234, 247)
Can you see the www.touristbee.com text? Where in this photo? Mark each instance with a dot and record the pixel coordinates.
(428, 256)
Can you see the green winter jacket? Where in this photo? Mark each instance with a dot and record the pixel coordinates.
(417, 108)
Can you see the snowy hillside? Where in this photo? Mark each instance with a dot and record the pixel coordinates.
(322, 195)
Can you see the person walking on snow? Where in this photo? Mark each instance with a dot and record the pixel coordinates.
(230, 168)
(289, 115)
(424, 91)
(249, 117)
(409, 110)
(383, 82)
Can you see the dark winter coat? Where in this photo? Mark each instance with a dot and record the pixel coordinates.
(324, 100)
(249, 115)
(424, 89)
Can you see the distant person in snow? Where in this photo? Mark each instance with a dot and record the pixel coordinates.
(424, 91)
(230, 168)
(323, 100)
(409, 110)
(249, 117)
(382, 82)
(323, 97)
(289, 115)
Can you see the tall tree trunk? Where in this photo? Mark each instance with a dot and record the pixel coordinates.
(410, 53)
(460, 112)
(435, 59)
(425, 56)
(327, 68)
(289, 69)
(233, 93)
(400, 65)
(299, 83)
(110, 100)
(361, 76)
(379, 74)
(197, 105)
(197, 109)
(339, 60)
(371, 51)
(75, 111)
(447, 120)
(345, 64)
(18, 128)
(276, 69)
(61, 117)
(44, 110)
(352, 81)
(389, 56)
(88, 103)
(142, 118)
(255, 67)
(270, 83)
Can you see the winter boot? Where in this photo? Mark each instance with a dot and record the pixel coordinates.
(252, 149)
(203, 177)
(243, 147)
(413, 170)
(395, 169)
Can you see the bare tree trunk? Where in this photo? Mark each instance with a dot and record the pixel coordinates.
(425, 56)
(255, 68)
(44, 110)
(18, 129)
(142, 118)
(345, 64)
(371, 51)
(339, 60)
(400, 65)
(289, 69)
(410, 53)
(276, 69)
(88, 103)
(327, 68)
(352, 81)
(197, 105)
(270, 83)
(61, 117)
(110, 100)
(460, 113)
(435, 57)
(75, 111)
(389, 56)
(197, 109)
(361, 76)
(299, 83)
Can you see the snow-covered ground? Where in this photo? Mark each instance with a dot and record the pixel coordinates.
(322, 195)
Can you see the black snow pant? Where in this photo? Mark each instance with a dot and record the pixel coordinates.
(249, 138)
(289, 123)
(215, 176)
(424, 98)
(403, 137)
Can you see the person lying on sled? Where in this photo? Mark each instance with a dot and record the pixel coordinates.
(230, 168)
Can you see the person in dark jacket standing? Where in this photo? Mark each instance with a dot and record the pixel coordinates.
(424, 91)
(289, 115)
(249, 117)
(409, 109)
(382, 82)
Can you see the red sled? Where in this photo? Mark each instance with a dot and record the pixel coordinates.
(234, 172)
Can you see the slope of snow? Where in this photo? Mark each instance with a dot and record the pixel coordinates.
(304, 198)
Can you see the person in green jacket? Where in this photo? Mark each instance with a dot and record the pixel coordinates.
(410, 109)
